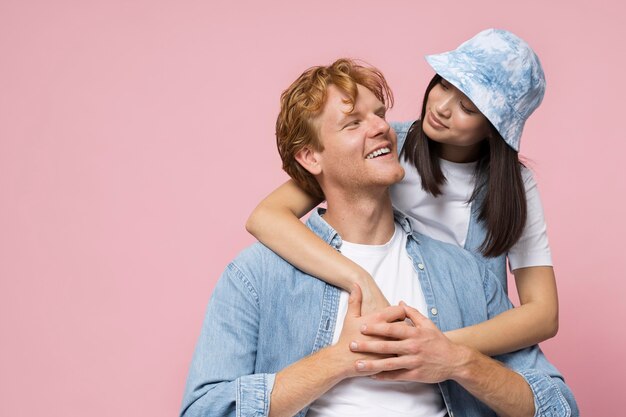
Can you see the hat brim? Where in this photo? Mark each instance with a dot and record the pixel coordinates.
(463, 73)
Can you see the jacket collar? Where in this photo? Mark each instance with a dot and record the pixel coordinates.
(329, 235)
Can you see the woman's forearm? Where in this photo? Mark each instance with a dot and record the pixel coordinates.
(275, 223)
(535, 320)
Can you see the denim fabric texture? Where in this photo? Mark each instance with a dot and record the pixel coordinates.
(265, 314)
(502, 76)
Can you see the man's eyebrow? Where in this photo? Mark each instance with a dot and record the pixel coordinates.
(356, 113)
(346, 117)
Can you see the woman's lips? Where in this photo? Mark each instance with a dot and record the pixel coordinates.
(434, 122)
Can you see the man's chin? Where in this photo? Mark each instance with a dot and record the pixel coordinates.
(391, 178)
(396, 176)
(400, 176)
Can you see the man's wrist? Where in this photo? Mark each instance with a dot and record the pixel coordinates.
(335, 367)
(465, 364)
(501, 389)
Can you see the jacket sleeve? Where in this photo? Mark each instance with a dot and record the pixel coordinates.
(552, 396)
(222, 379)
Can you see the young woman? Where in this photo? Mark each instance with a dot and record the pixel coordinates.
(464, 184)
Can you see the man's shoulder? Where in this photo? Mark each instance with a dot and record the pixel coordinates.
(257, 259)
(267, 277)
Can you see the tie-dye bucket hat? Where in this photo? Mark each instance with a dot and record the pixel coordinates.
(502, 76)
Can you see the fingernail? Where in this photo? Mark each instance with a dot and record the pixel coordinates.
(360, 365)
(364, 328)
(354, 346)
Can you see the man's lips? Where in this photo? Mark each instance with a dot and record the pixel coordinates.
(385, 150)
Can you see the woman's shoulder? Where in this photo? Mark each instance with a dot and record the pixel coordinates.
(528, 178)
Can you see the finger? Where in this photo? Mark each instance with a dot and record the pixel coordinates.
(416, 317)
(389, 314)
(397, 375)
(381, 365)
(382, 347)
(354, 302)
(399, 330)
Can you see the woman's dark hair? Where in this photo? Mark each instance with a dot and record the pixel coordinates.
(499, 185)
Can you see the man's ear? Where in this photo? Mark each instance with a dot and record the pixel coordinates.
(310, 160)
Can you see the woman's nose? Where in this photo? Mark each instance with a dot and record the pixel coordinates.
(443, 106)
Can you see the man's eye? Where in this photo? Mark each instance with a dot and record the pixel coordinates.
(353, 123)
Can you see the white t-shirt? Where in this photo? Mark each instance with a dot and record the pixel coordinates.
(393, 271)
(447, 216)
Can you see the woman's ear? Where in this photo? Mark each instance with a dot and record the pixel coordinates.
(310, 160)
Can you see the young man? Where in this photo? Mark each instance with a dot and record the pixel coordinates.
(278, 342)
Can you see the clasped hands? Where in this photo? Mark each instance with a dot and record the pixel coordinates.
(387, 346)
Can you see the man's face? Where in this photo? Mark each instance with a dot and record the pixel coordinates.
(359, 146)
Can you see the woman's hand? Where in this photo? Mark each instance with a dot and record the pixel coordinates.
(373, 298)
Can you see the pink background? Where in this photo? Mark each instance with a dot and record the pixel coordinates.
(136, 137)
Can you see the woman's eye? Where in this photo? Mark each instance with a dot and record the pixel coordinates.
(467, 109)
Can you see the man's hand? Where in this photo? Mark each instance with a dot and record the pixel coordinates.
(424, 354)
(306, 380)
(420, 353)
(352, 330)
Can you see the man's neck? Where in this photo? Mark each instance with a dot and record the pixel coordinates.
(362, 219)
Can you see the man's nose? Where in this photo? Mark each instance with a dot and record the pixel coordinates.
(379, 126)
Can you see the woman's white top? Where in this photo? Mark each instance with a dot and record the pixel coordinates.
(447, 216)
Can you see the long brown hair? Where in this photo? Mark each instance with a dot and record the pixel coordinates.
(499, 186)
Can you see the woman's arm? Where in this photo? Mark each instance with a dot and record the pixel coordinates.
(537, 317)
(275, 223)
(535, 320)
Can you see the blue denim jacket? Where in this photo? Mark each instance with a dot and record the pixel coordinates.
(476, 232)
(265, 314)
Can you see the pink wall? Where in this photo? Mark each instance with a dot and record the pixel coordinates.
(136, 136)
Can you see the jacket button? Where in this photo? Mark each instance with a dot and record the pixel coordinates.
(433, 311)
(420, 266)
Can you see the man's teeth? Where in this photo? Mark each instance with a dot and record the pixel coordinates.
(381, 151)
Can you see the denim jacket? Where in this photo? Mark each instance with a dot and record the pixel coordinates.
(265, 314)
(476, 232)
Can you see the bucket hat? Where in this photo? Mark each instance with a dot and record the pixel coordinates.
(502, 76)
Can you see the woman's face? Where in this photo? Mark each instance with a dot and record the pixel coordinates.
(452, 120)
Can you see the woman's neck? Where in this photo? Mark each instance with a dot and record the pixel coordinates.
(460, 154)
